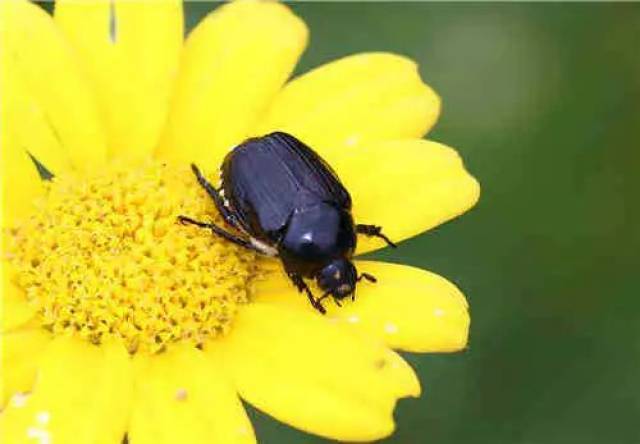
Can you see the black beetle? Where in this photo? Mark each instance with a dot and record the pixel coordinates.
(286, 201)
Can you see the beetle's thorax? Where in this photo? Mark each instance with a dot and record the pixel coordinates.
(316, 234)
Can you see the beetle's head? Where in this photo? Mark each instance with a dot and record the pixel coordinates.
(338, 278)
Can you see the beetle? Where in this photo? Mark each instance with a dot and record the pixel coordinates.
(285, 201)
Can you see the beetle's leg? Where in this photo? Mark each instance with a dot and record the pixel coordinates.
(220, 232)
(375, 231)
(368, 277)
(335, 299)
(303, 287)
(218, 200)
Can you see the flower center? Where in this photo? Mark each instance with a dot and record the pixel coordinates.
(105, 256)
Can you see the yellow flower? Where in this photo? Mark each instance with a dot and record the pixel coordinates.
(115, 319)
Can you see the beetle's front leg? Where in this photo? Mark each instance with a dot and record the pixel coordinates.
(374, 231)
(302, 286)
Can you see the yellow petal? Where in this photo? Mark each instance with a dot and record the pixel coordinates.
(183, 397)
(82, 395)
(353, 101)
(27, 125)
(20, 352)
(408, 308)
(410, 186)
(14, 308)
(234, 63)
(314, 375)
(131, 51)
(57, 112)
(20, 180)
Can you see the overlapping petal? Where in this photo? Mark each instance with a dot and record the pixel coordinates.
(51, 109)
(131, 51)
(19, 178)
(82, 394)
(312, 374)
(181, 396)
(409, 186)
(234, 63)
(353, 101)
(14, 309)
(20, 352)
(26, 126)
(408, 308)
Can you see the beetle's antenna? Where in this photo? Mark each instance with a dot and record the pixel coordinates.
(324, 296)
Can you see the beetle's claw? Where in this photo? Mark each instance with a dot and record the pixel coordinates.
(386, 239)
(318, 306)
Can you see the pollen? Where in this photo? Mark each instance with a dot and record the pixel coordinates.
(105, 257)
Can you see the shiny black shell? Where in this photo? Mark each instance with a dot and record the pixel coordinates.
(283, 193)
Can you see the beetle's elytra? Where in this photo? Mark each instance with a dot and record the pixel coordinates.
(282, 199)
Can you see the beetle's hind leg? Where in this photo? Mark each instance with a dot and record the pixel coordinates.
(220, 232)
(374, 231)
(217, 197)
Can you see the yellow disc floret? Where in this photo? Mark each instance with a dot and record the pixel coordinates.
(105, 256)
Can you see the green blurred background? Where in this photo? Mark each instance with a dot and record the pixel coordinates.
(543, 103)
